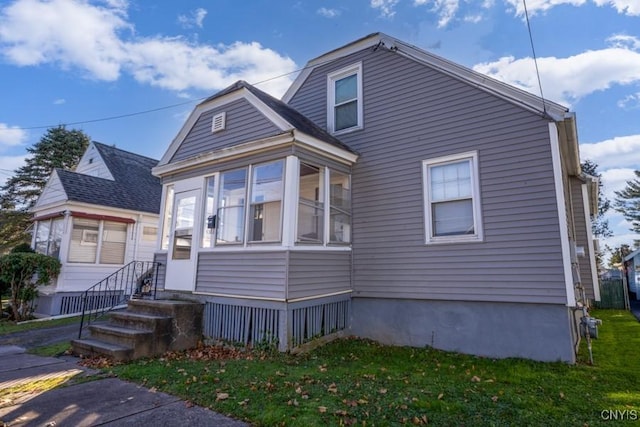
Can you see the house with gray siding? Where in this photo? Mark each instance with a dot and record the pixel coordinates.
(391, 194)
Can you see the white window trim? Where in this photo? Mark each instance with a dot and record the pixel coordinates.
(331, 79)
(478, 236)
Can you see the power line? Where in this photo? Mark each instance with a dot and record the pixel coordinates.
(535, 59)
(152, 110)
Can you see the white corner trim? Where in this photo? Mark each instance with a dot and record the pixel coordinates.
(592, 254)
(562, 214)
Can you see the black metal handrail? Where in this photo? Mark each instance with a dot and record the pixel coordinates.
(138, 279)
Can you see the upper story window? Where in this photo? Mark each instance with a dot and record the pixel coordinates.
(344, 99)
(452, 199)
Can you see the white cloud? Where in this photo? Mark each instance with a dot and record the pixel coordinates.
(627, 7)
(328, 13)
(194, 19)
(59, 101)
(8, 164)
(618, 152)
(615, 180)
(630, 102)
(446, 9)
(11, 136)
(566, 80)
(102, 44)
(386, 7)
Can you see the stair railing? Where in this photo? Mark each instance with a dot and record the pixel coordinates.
(138, 279)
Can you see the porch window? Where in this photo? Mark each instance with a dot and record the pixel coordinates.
(266, 202)
(166, 221)
(93, 240)
(313, 218)
(231, 210)
(452, 211)
(340, 208)
(344, 101)
(49, 237)
(311, 204)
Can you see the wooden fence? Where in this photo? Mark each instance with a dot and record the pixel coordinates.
(613, 294)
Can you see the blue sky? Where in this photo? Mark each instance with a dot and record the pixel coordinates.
(70, 61)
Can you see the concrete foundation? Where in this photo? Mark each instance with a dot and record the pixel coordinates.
(534, 331)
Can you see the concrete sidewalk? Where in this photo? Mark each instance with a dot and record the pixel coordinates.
(82, 398)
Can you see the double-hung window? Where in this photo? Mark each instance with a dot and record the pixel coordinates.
(344, 99)
(452, 199)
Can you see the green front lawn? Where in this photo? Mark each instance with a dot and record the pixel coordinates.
(8, 327)
(358, 382)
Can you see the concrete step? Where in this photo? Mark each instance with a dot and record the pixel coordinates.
(141, 321)
(167, 308)
(91, 347)
(140, 341)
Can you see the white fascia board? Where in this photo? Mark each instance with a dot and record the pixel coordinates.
(351, 48)
(106, 210)
(592, 253)
(562, 215)
(481, 81)
(224, 154)
(325, 148)
(242, 93)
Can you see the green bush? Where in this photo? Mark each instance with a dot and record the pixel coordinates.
(24, 272)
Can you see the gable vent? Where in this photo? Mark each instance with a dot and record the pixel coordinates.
(218, 123)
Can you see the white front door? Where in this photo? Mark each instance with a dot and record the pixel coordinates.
(183, 246)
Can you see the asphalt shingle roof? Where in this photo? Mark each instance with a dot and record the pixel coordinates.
(296, 119)
(134, 187)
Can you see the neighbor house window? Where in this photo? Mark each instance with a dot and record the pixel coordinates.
(90, 237)
(49, 237)
(452, 199)
(316, 224)
(266, 202)
(166, 220)
(231, 206)
(344, 99)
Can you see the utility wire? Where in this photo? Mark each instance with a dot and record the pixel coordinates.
(138, 113)
(535, 59)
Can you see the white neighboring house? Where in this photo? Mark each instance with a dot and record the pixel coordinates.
(632, 268)
(95, 220)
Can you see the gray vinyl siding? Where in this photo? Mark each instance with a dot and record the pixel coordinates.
(313, 273)
(580, 227)
(259, 274)
(413, 113)
(244, 124)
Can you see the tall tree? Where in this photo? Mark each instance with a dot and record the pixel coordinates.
(627, 202)
(58, 148)
(599, 225)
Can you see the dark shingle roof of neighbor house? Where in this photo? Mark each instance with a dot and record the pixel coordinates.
(133, 188)
(292, 116)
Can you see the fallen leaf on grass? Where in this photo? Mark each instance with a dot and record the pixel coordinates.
(333, 388)
(322, 409)
(222, 396)
(382, 391)
(440, 396)
(475, 379)
(494, 398)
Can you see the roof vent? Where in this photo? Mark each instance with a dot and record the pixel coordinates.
(218, 123)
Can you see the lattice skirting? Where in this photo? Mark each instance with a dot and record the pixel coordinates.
(285, 327)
